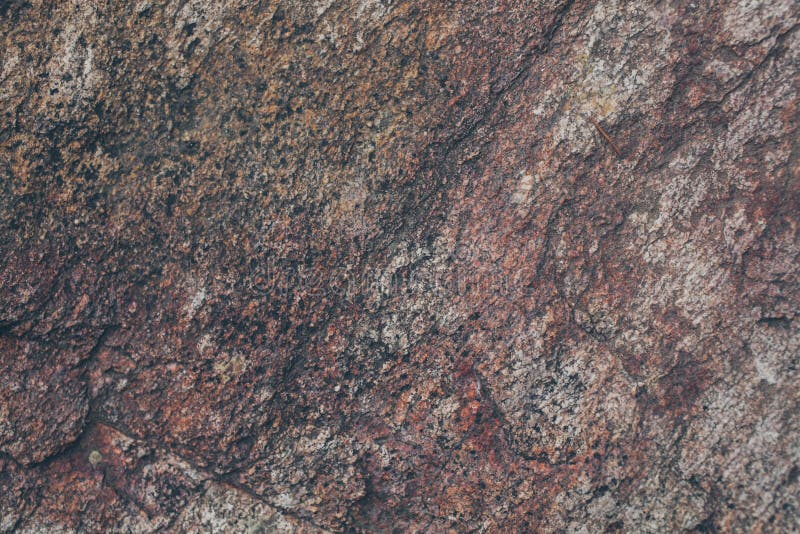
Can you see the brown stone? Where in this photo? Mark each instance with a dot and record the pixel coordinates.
(385, 265)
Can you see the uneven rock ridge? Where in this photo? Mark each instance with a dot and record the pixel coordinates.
(399, 265)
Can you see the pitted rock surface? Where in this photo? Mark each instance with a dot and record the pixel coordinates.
(392, 265)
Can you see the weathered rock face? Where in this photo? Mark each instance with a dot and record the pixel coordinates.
(376, 265)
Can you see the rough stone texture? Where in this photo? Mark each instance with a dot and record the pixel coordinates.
(369, 265)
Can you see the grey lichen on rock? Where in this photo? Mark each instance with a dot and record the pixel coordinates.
(95, 458)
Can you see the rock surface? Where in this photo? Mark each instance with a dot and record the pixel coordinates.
(376, 265)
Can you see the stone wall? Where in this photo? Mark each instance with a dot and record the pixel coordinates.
(375, 265)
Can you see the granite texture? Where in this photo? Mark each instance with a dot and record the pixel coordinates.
(394, 265)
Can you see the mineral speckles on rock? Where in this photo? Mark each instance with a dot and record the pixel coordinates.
(369, 265)
(44, 403)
